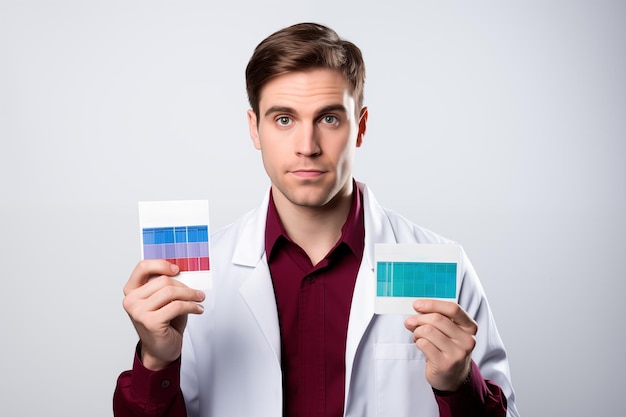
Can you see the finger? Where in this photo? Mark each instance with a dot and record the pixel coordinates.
(438, 334)
(435, 319)
(411, 323)
(444, 334)
(449, 309)
(171, 293)
(429, 349)
(147, 269)
(179, 308)
(158, 321)
(156, 294)
(451, 330)
(153, 285)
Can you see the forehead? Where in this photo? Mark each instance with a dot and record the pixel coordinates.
(306, 89)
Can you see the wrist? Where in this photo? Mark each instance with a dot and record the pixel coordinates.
(149, 361)
(460, 385)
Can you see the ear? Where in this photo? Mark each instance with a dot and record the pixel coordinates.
(362, 126)
(254, 129)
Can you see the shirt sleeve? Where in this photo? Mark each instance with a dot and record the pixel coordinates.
(476, 397)
(142, 392)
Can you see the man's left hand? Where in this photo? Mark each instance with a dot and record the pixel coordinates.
(444, 332)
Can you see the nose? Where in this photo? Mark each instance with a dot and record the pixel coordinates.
(307, 141)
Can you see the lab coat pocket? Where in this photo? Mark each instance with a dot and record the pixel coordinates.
(401, 388)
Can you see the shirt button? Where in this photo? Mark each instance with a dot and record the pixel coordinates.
(310, 279)
(165, 384)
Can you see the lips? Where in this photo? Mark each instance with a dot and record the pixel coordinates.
(307, 173)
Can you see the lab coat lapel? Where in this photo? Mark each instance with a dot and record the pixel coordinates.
(378, 229)
(257, 290)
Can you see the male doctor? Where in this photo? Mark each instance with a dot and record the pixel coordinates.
(289, 327)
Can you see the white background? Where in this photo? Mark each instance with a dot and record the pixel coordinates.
(498, 124)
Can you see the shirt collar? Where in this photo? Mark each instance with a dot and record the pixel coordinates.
(352, 231)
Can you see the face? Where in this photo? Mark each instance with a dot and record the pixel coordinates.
(308, 133)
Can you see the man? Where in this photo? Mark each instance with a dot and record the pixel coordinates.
(289, 326)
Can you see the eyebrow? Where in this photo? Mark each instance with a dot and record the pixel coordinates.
(278, 109)
(331, 108)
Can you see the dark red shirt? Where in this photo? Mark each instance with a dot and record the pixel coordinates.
(313, 304)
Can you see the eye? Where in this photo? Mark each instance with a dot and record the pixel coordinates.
(283, 120)
(330, 119)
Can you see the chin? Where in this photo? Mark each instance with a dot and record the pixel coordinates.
(309, 202)
(307, 198)
(310, 195)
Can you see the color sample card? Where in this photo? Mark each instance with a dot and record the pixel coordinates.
(178, 231)
(405, 272)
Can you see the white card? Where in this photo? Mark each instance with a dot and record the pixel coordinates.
(178, 231)
(405, 272)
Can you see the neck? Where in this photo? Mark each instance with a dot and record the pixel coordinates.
(315, 229)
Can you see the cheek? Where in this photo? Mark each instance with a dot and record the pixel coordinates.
(272, 156)
(345, 153)
(344, 164)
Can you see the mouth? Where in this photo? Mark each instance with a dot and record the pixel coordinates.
(307, 173)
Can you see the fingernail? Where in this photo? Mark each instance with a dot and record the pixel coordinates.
(174, 268)
(200, 295)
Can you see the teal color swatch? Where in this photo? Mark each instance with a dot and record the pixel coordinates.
(416, 279)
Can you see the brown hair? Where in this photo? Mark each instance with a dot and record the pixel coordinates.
(302, 47)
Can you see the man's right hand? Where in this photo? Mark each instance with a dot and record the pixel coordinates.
(158, 306)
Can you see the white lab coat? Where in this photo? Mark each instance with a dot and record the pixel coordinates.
(231, 353)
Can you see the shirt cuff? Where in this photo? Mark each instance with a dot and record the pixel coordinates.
(474, 397)
(151, 387)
